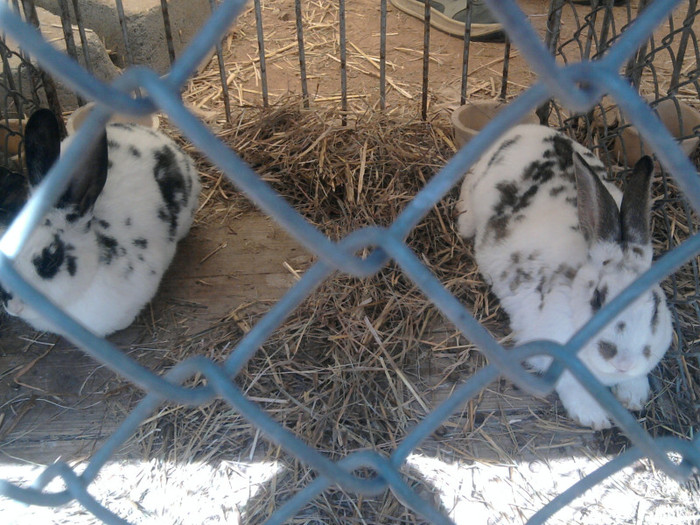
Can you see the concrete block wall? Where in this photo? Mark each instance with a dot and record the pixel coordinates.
(145, 28)
(51, 29)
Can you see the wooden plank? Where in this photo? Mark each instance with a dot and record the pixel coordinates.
(65, 404)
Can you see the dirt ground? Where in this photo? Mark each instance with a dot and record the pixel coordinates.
(404, 55)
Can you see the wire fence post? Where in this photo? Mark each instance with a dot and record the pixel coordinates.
(261, 51)
(68, 37)
(343, 63)
(37, 75)
(465, 52)
(551, 40)
(426, 61)
(382, 55)
(302, 53)
(168, 30)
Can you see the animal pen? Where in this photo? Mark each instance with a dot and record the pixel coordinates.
(341, 334)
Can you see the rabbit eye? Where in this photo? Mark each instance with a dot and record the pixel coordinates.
(607, 350)
(598, 298)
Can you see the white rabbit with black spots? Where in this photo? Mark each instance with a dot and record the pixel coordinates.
(556, 243)
(101, 252)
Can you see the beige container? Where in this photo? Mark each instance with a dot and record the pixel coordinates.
(80, 114)
(628, 147)
(9, 142)
(469, 119)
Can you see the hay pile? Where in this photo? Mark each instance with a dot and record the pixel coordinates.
(362, 361)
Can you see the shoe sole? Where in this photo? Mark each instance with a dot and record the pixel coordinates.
(479, 32)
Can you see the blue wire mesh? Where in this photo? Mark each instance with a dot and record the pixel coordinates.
(577, 87)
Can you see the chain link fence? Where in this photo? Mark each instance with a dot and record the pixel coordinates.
(594, 57)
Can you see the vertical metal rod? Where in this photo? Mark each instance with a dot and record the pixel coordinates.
(168, 30)
(12, 87)
(382, 55)
(13, 92)
(125, 35)
(46, 81)
(506, 65)
(635, 66)
(551, 40)
(261, 51)
(683, 46)
(83, 36)
(33, 75)
(343, 63)
(465, 53)
(591, 29)
(68, 37)
(222, 72)
(302, 54)
(608, 20)
(426, 61)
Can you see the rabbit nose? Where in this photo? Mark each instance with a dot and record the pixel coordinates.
(624, 365)
(14, 308)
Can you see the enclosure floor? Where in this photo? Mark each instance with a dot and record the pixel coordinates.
(58, 402)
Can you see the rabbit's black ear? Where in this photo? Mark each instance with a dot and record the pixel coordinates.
(87, 183)
(598, 215)
(42, 144)
(13, 194)
(635, 210)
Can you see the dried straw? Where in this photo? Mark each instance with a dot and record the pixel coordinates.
(362, 361)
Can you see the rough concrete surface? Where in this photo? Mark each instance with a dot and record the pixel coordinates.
(51, 29)
(145, 27)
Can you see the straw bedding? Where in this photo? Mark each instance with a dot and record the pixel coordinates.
(362, 361)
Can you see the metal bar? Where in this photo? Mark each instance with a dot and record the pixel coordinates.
(45, 80)
(591, 35)
(33, 75)
(34, 78)
(222, 73)
(465, 53)
(608, 21)
(168, 30)
(506, 65)
(261, 51)
(9, 78)
(83, 36)
(302, 53)
(125, 33)
(551, 41)
(382, 55)
(68, 37)
(343, 63)
(635, 65)
(683, 45)
(426, 61)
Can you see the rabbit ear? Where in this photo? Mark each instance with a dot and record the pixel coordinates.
(87, 183)
(635, 210)
(598, 215)
(42, 144)
(13, 194)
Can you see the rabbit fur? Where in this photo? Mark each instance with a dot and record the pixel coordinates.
(556, 243)
(101, 252)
